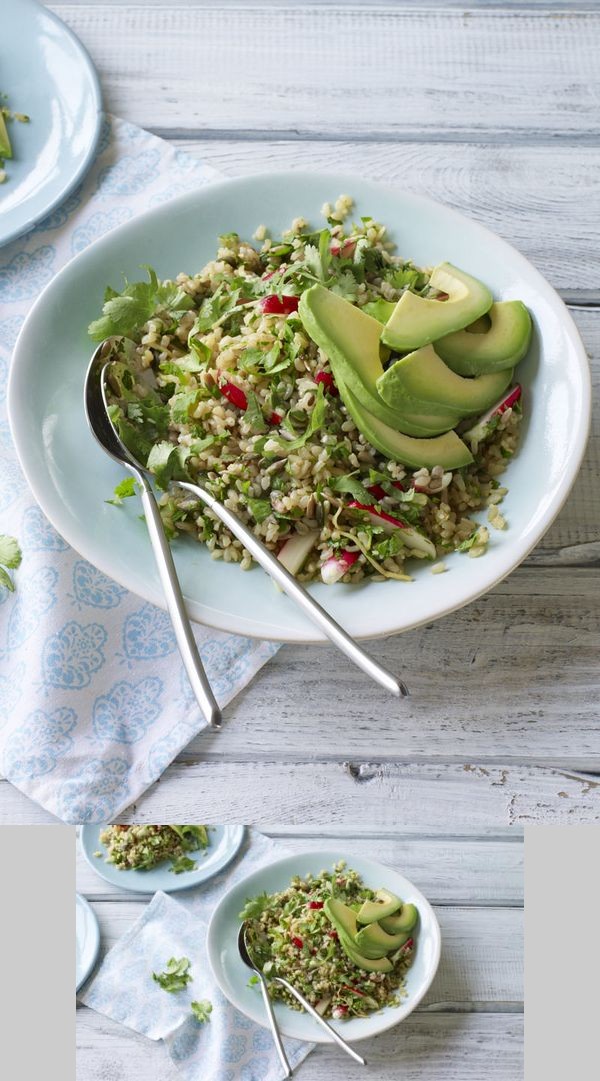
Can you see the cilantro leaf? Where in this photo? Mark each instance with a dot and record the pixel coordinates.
(123, 490)
(10, 557)
(254, 907)
(181, 864)
(176, 976)
(354, 487)
(202, 1010)
(317, 418)
(167, 462)
(259, 509)
(254, 414)
(126, 312)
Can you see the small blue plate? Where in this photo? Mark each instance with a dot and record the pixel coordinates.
(47, 74)
(87, 941)
(225, 842)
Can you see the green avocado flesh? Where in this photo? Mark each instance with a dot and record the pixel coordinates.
(350, 338)
(373, 936)
(5, 147)
(417, 320)
(401, 922)
(501, 345)
(385, 904)
(446, 450)
(343, 919)
(422, 376)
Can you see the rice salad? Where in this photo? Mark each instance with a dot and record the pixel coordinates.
(215, 378)
(141, 848)
(292, 929)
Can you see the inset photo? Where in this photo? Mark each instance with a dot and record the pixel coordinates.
(237, 954)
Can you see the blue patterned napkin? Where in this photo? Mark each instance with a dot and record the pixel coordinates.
(228, 1047)
(94, 701)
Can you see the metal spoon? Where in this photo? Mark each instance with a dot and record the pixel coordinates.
(108, 438)
(245, 955)
(247, 959)
(95, 404)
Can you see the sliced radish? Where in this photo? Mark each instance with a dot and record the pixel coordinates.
(274, 305)
(337, 566)
(380, 493)
(295, 551)
(411, 537)
(234, 394)
(482, 428)
(327, 380)
(345, 249)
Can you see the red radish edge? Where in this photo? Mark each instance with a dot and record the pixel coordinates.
(275, 305)
(327, 380)
(355, 505)
(335, 567)
(501, 406)
(234, 394)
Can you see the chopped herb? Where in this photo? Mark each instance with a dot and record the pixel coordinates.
(353, 486)
(259, 509)
(176, 976)
(167, 462)
(181, 864)
(124, 490)
(10, 559)
(254, 414)
(254, 907)
(126, 312)
(202, 1010)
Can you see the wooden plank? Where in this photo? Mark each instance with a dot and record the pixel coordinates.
(448, 870)
(524, 193)
(482, 957)
(425, 1047)
(430, 798)
(321, 69)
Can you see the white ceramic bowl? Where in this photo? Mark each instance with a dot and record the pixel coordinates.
(232, 974)
(71, 477)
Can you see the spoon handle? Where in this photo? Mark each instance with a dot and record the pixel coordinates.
(176, 606)
(302, 598)
(317, 1016)
(273, 1023)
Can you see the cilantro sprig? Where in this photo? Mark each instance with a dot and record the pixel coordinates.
(126, 312)
(10, 559)
(202, 1010)
(176, 976)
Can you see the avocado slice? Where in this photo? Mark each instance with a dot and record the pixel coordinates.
(351, 340)
(423, 376)
(475, 351)
(5, 147)
(417, 320)
(446, 450)
(368, 964)
(401, 922)
(341, 916)
(385, 904)
(374, 936)
(380, 309)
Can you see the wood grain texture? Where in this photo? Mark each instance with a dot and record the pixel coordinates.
(524, 193)
(449, 870)
(322, 70)
(455, 1047)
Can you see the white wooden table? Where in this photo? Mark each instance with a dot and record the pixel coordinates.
(492, 108)
(470, 1025)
